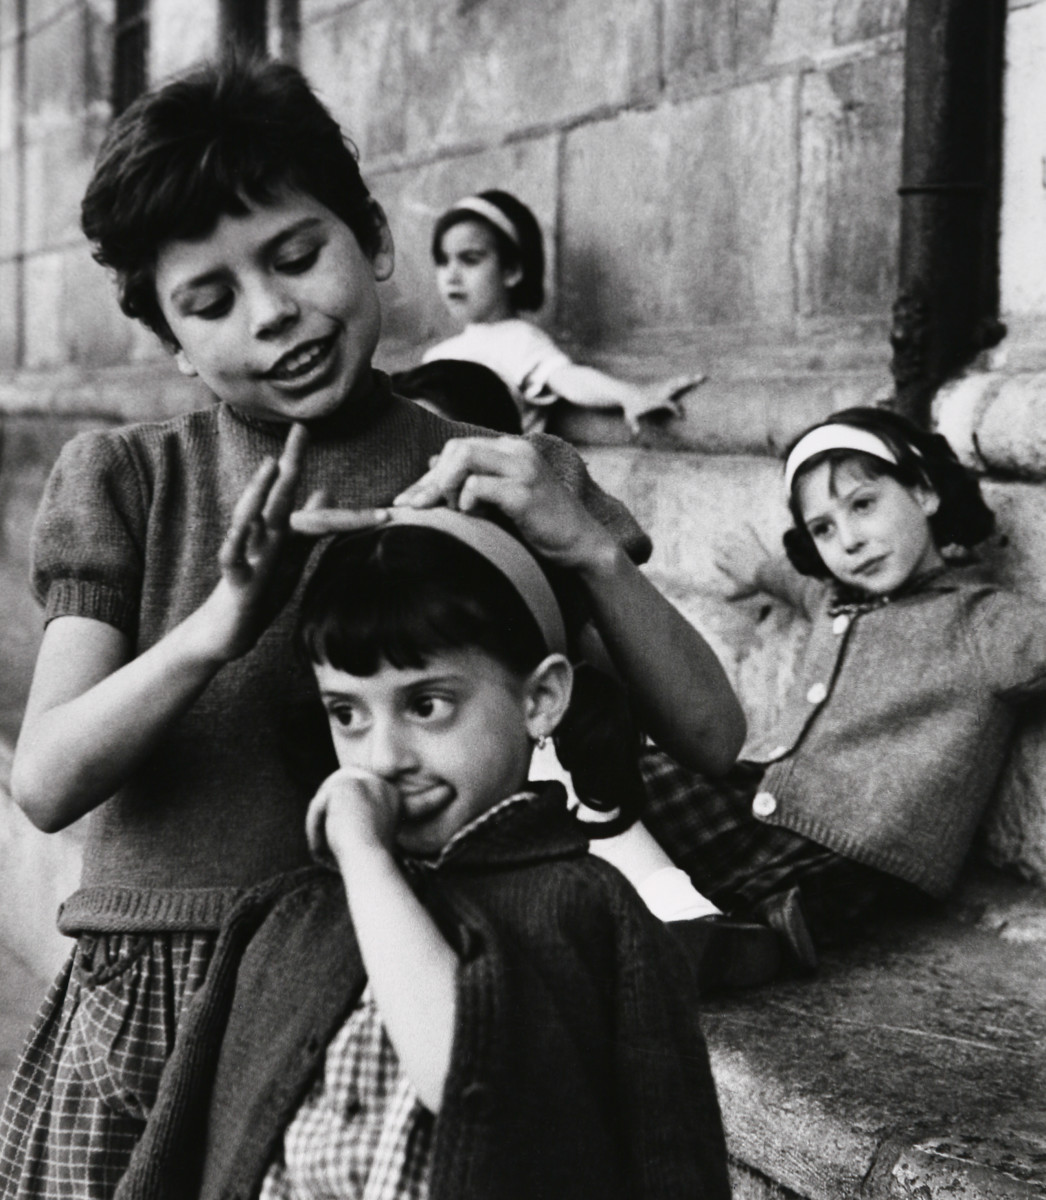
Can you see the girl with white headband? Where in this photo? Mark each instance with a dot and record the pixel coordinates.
(866, 795)
(490, 268)
(490, 1009)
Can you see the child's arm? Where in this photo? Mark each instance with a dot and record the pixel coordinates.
(683, 697)
(411, 968)
(588, 387)
(747, 562)
(94, 711)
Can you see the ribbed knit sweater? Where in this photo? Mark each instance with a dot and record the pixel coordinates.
(128, 533)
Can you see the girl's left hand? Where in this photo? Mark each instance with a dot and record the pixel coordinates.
(665, 396)
(511, 475)
(354, 809)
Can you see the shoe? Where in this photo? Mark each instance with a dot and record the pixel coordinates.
(729, 953)
(784, 913)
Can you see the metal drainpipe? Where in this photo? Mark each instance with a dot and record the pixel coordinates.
(948, 297)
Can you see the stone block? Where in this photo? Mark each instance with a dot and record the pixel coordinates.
(58, 165)
(40, 871)
(44, 296)
(181, 32)
(9, 315)
(848, 228)
(858, 20)
(9, 109)
(415, 197)
(708, 38)
(408, 77)
(10, 205)
(66, 68)
(681, 216)
(94, 332)
(1022, 250)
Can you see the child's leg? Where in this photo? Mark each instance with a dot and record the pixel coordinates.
(88, 1075)
(664, 888)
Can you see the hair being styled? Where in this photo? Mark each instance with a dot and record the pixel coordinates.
(527, 252)
(206, 145)
(923, 458)
(401, 594)
(461, 391)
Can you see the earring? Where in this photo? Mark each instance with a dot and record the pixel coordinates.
(543, 741)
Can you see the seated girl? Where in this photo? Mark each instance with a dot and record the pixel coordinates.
(867, 795)
(469, 1005)
(490, 267)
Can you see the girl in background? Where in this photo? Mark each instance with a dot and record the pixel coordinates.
(490, 268)
(867, 794)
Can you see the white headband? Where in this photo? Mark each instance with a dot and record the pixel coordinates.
(504, 552)
(489, 212)
(835, 437)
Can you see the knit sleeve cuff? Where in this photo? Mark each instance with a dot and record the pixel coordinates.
(90, 598)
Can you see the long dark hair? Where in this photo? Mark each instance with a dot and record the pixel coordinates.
(401, 594)
(923, 459)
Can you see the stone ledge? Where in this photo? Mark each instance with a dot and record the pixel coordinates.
(996, 421)
(913, 1065)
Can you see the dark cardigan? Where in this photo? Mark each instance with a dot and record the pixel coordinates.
(578, 1069)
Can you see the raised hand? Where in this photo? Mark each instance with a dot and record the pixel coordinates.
(353, 809)
(739, 559)
(510, 475)
(256, 577)
(663, 397)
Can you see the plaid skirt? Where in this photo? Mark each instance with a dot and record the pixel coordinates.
(88, 1075)
(707, 828)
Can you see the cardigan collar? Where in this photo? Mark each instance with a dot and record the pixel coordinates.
(531, 826)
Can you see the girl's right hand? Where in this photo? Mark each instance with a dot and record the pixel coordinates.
(511, 475)
(740, 560)
(255, 583)
(354, 808)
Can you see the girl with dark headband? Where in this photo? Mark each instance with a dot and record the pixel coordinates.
(493, 1008)
(866, 795)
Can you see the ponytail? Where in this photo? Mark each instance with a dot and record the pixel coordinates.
(598, 743)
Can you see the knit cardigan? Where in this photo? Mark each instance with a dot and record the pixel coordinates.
(128, 533)
(578, 1070)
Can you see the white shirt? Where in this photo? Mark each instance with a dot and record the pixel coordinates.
(523, 355)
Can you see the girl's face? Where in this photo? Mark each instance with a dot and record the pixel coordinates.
(472, 281)
(871, 532)
(453, 737)
(276, 310)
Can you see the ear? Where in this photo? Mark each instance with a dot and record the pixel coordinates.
(383, 260)
(927, 499)
(184, 365)
(510, 276)
(546, 695)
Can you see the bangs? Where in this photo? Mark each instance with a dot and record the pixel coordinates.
(403, 596)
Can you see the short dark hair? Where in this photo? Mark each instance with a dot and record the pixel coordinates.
(401, 594)
(528, 254)
(923, 458)
(462, 391)
(201, 147)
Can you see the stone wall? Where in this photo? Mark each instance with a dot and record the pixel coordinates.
(716, 180)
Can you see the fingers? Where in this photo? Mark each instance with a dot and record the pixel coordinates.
(461, 457)
(315, 825)
(281, 497)
(246, 515)
(318, 522)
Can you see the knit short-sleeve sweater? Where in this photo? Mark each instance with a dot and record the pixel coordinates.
(128, 533)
